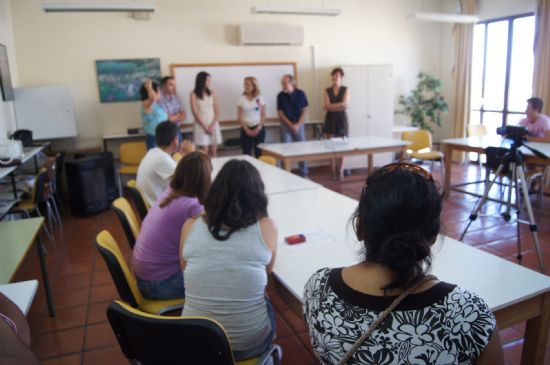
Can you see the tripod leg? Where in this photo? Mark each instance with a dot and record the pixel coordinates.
(532, 223)
(481, 202)
(512, 181)
(518, 230)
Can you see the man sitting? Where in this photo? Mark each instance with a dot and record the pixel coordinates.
(536, 123)
(157, 167)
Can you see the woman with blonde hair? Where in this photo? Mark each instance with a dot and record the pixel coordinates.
(251, 115)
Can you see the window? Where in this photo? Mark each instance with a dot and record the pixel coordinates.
(502, 70)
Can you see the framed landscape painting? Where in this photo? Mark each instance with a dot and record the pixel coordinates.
(120, 80)
(5, 78)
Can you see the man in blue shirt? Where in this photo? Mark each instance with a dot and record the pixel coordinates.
(292, 108)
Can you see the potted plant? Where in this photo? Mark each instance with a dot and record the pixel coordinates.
(425, 104)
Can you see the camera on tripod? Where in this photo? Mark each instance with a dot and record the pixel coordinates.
(516, 133)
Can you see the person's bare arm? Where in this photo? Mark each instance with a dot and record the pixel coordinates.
(269, 235)
(303, 114)
(195, 111)
(262, 115)
(14, 347)
(284, 119)
(216, 108)
(492, 355)
(150, 96)
(184, 233)
(545, 139)
(335, 107)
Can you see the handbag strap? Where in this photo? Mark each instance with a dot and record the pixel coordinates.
(381, 318)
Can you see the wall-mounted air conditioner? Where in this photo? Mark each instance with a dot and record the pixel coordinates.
(271, 35)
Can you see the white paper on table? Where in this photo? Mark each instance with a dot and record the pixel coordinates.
(312, 239)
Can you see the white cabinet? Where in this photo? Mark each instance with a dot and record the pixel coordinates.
(370, 111)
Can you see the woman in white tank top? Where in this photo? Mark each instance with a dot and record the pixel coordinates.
(205, 109)
(227, 255)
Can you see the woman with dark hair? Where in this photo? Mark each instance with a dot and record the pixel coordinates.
(429, 321)
(336, 99)
(206, 111)
(226, 256)
(156, 254)
(152, 113)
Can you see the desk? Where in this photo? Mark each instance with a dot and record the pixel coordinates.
(478, 144)
(514, 293)
(326, 149)
(275, 180)
(29, 152)
(21, 293)
(17, 238)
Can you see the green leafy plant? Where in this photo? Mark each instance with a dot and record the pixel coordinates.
(425, 104)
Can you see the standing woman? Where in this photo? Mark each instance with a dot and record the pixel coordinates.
(251, 115)
(152, 113)
(206, 111)
(336, 100)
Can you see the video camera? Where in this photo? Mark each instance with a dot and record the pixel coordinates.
(516, 133)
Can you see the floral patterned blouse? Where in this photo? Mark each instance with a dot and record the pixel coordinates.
(441, 325)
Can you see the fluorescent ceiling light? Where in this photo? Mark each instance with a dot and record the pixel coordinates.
(445, 18)
(74, 8)
(295, 10)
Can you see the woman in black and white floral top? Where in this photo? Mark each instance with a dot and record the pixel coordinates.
(398, 220)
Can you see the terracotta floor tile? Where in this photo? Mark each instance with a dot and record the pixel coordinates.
(59, 343)
(101, 277)
(75, 359)
(99, 335)
(71, 281)
(512, 352)
(294, 353)
(70, 267)
(71, 298)
(65, 318)
(102, 293)
(97, 312)
(109, 355)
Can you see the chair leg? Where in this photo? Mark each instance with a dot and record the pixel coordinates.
(119, 184)
(48, 233)
(56, 212)
(442, 162)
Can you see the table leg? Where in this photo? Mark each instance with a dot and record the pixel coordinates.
(370, 163)
(448, 160)
(287, 164)
(536, 335)
(44, 271)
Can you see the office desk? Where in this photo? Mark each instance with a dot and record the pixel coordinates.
(478, 145)
(327, 149)
(21, 293)
(275, 179)
(17, 238)
(514, 293)
(30, 152)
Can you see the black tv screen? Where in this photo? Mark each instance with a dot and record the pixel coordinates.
(5, 78)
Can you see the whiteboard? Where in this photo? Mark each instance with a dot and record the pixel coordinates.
(227, 82)
(48, 111)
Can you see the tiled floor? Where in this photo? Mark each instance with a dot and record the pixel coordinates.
(82, 286)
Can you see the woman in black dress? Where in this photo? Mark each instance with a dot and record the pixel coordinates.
(336, 119)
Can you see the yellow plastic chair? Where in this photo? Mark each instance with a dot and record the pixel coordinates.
(125, 281)
(150, 339)
(421, 148)
(268, 160)
(176, 156)
(128, 219)
(477, 130)
(131, 154)
(138, 198)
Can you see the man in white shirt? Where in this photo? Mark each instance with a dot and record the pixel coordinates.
(157, 167)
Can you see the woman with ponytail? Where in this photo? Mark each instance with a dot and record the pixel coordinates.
(387, 309)
(155, 258)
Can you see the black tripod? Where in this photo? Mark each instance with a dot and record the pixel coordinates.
(513, 163)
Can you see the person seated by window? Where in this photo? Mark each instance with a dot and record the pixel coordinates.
(155, 257)
(536, 123)
(398, 221)
(157, 166)
(226, 256)
(15, 335)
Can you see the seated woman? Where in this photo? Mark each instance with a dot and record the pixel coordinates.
(398, 220)
(226, 256)
(156, 254)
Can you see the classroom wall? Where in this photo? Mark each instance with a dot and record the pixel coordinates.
(7, 114)
(62, 48)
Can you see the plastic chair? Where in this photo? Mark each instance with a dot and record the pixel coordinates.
(137, 197)
(477, 130)
(131, 154)
(128, 219)
(149, 339)
(125, 281)
(421, 148)
(268, 160)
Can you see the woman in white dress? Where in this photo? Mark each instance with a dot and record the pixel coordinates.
(206, 111)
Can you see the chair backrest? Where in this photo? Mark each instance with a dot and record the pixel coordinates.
(419, 139)
(477, 130)
(269, 160)
(153, 339)
(40, 188)
(124, 279)
(128, 219)
(137, 196)
(131, 153)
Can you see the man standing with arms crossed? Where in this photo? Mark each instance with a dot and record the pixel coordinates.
(171, 103)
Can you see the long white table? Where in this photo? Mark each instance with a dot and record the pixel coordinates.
(275, 180)
(514, 293)
(333, 148)
(29, 153)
